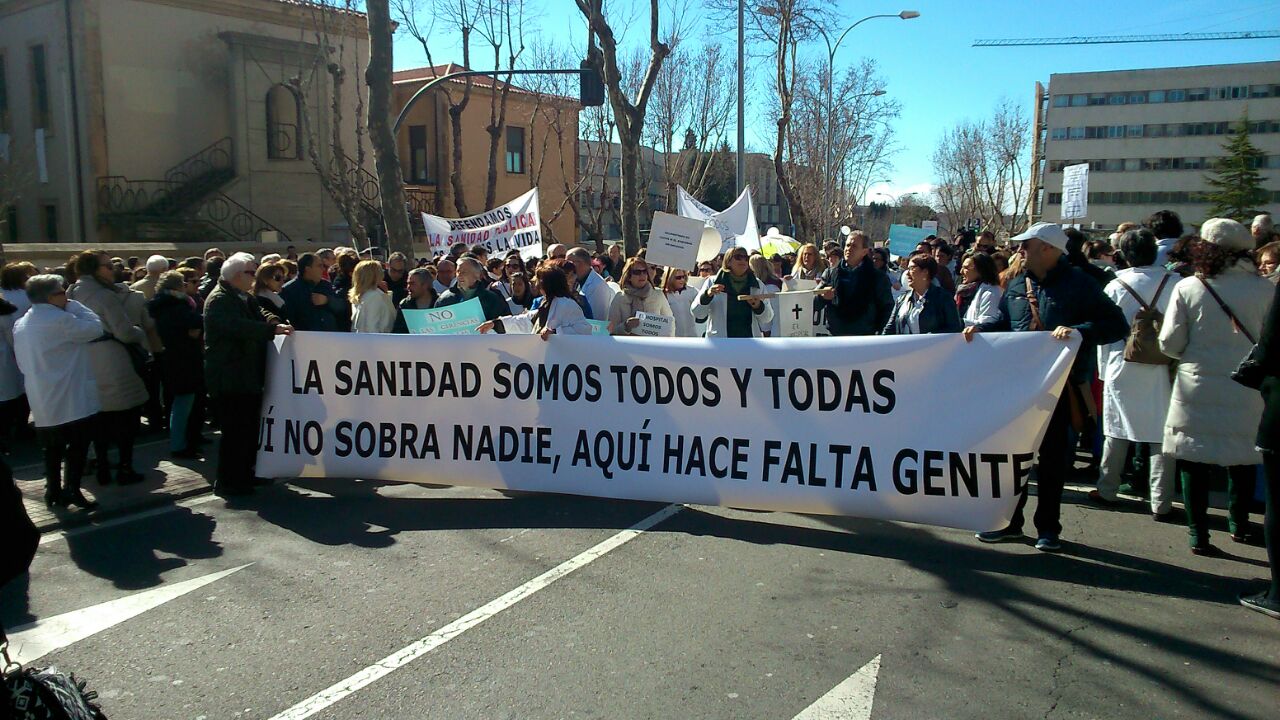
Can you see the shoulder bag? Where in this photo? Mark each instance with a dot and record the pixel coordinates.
(1250, 372)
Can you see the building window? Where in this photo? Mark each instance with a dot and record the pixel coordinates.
(1061, 100)
(1155, 96)
(4, 98)
(284, 108)
(1176, 96)
(1098, 99)
(1117, 99)
(1137, 98)
(419, 159)
(1058, 134)
(49, 218)
(1077, 133)
(1197, 94)
(40, 90)
(1079, 100)
(515, 149)
(1135, 131)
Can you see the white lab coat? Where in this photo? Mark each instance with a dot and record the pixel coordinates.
(681, 309)
(985, 307)
(375, 313)
(715, 313)
(564, 318)
(52, 348)
(598, 294)
(1135, 397)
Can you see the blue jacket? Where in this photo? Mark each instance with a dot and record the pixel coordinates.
(1067, 297)
(307, 316)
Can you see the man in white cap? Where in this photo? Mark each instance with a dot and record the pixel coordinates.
(1051, 295)
(157, 265)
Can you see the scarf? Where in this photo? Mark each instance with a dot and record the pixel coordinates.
(965, 294)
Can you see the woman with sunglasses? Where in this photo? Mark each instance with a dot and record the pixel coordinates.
(718, 302)
(638, 296)
(681, 298)
(558, 312)
(266, 287)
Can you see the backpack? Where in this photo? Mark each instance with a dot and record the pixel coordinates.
(1143, 343)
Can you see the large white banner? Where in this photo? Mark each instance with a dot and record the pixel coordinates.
(1075, 191)
(736, 223)
(869, 427)
(516, 225)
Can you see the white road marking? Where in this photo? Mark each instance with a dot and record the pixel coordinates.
(406, 655)
(55, 536)
(34, 641)
(850, 700)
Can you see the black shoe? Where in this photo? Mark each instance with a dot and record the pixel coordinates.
(74, 498)
(187, 453)
(1260, 603)
(128, 476)
(1205, 550)
(224, 490)
(52, 497)
(1165, 517)
(1096, 498)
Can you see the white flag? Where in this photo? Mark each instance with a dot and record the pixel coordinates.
(736, 223)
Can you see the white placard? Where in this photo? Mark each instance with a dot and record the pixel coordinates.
(674, 241)
(654, 325)
(840, 426)
(1075, 191)
(796, 316)
(930, 225)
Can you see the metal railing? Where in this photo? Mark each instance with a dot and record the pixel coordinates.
(120, 198)
(216, 157)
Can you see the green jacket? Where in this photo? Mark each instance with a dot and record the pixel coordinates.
(236, 332)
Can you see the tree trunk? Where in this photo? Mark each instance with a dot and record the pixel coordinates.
(386, 159)
(631, 193)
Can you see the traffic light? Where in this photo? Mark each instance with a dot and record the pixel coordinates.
(591, 92)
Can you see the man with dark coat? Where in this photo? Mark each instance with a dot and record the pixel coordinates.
(236, 333)
(421, 297)
(856, 295)
(310, 301)
(469, 285)
(1052, 295)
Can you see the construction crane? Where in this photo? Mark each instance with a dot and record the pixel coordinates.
(1109, 39)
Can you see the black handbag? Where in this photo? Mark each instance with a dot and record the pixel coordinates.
(1250, 373)
(43, 693)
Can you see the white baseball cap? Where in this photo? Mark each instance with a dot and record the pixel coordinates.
(1050, 233)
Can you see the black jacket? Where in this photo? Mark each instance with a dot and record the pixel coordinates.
(236, 333)
(1067, 297)
(303, 314)
(1269, 356)
(402, 327)
(939, 314)
(863, 300)
(494, 306)
(182, 362)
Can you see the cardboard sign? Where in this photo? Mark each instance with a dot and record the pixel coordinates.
(460, 319)
(674, 241)
(796, 316)
(654, 325)
(599, 327)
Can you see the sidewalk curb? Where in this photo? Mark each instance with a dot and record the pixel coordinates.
(149, 502)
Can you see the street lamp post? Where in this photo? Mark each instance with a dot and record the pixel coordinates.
(827, 170)
(893, 218)
(741, 174)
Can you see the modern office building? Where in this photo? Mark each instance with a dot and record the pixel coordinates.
(1150, 137)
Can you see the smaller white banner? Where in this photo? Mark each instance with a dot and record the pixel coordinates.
(1075, 191)
(517, 225)
(674, 241)
(653, 325)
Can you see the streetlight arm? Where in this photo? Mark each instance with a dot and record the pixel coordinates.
(851, 27)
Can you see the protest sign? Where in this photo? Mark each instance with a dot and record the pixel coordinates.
(796, 316)
(460, 319)
(516, 225)
(736, 223)
(654, 325)
(844, 426)
(674, 241)
(930, 225)
(1075, 191)
(904, 238)
(599, 327)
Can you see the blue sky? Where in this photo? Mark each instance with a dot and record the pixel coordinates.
(940, 80)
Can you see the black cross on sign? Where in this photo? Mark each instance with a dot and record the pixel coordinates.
(797, 310)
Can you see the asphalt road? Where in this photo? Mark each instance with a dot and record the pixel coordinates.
(373, 600)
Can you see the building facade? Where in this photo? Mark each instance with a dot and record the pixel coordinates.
(172, 120)
(538, 148)
(1151, 137)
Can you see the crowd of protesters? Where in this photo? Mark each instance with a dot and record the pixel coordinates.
(1164, 316)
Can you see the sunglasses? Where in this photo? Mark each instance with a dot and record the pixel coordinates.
(639, 271)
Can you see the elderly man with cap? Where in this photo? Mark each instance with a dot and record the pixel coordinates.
(1051, 295)
(1213, 320)
(236, 332)
(157, 265)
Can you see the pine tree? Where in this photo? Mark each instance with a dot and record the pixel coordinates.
(1237, 184)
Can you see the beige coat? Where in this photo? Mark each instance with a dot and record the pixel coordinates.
(630, 301)
(119, 387)
(1213, 419)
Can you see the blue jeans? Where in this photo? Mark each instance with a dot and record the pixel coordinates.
(179, 415)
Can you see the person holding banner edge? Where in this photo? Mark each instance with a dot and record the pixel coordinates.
(470, 284)
(1051, 293)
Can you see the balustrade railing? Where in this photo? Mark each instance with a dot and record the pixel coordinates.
(158, 200)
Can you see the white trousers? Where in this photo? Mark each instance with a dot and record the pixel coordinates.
(1114, 451)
